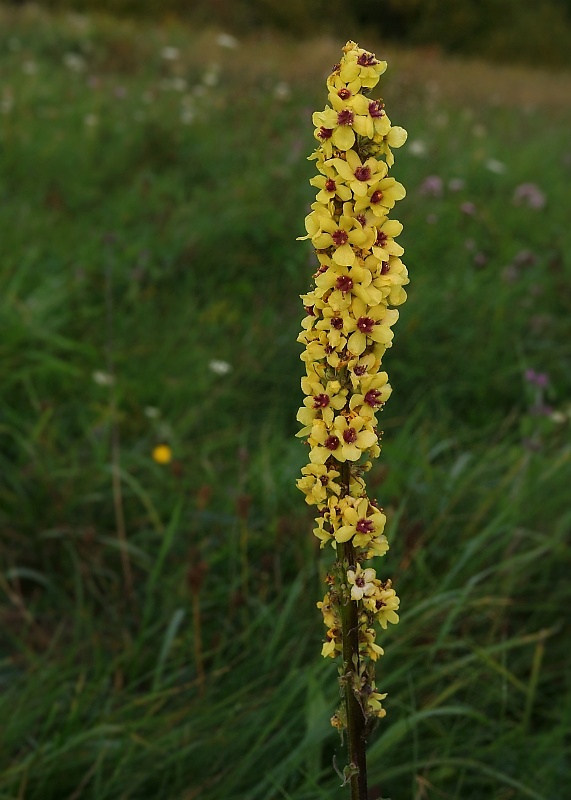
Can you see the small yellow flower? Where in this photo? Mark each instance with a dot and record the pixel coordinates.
(162, 454)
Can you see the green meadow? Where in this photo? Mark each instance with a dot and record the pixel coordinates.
(158, 630)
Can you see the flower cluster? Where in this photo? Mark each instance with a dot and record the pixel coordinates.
(350, 312)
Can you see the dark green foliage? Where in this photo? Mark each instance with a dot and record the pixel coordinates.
(138, 237)
(535, 32)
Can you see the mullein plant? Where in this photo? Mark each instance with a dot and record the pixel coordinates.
(346, 331)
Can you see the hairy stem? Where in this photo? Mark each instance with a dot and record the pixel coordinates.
(356, 743)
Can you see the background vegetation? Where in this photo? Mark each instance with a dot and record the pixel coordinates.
(526, 31)
(153, 181)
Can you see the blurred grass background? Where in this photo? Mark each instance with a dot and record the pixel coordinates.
(154, 178)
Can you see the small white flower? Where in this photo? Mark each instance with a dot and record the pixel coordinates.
(210, 77)
(91, 120)
(103, 378)
(456, 184)
(152, 412)
(417, 148)
(29, 67)
(187, 116)
(495, 166)
(178, 84)
(228, 41)
(74, 62)
(170, 53)
(282, 90)
(558, 416)
(219, 367)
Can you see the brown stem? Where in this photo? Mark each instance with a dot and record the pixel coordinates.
(356, 721)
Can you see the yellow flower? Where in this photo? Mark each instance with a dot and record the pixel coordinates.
(370, 325)
(381, 197)
(396, 137)
(349, 314)
(363, 523)
(325, 231)
(316, 482)
(162, 454)
(359, 175)
(345, 441)
(375, 390)
(338, 126)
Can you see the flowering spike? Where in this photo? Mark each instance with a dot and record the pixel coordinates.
(348, 327)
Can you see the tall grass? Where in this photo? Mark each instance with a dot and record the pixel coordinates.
(186, 203)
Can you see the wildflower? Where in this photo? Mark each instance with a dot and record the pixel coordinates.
(432, 186)
(74, 62)
(349, 313)
(219, 367)
(417, 148)
(540, 379)
(102, 378)
(493, 165)
(282, 91)
(318, 480)
(162, 454)
(363, 523)
(227, 41)
(361, 582)
(529, 194)
(170, 53)
(359, 175)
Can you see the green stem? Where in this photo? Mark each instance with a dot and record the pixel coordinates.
(356, 734)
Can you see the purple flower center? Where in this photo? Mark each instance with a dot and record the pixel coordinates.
(350, 435)
(363, 173)
(344, 93)
(325, 133)
(332, 443)
(365, 324)
(376, 197)
(376, 108)
(359, 581)
(360, 369)
(381, 239)
(330, 185)
(321, 401)
(361, 218)
(324, 480)
(372, 398)
(385, 267)
(365, 526)
(337, 323)
(344, 283)
(366, 60)
(345, 117)
(309, 311)
(340, 237)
